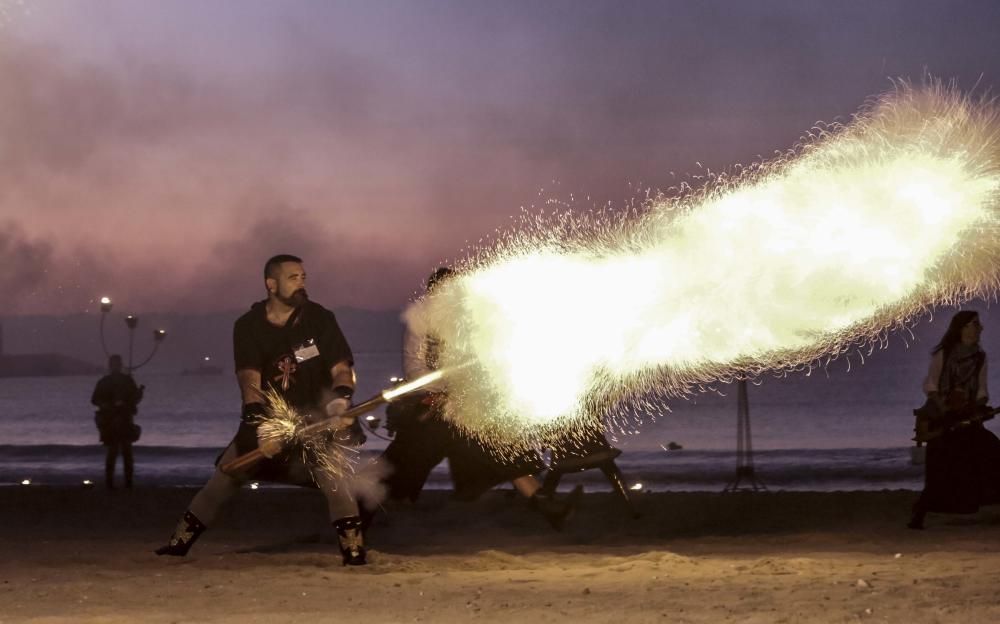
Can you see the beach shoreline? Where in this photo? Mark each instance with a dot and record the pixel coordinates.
(85, 555)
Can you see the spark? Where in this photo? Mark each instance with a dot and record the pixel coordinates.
(571, 320)
(323, 453)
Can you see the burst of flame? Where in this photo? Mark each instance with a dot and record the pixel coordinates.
(411, 386)
(782, 264)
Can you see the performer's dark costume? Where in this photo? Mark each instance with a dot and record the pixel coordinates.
(423, 439)
(295, 361)
(962, 468)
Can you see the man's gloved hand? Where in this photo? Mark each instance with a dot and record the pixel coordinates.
(335, 408)
(338, 406)
(269, 445)
(348, 431)
(253, 413)
(340, 403)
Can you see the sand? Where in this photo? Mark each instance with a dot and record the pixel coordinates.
(85, 555)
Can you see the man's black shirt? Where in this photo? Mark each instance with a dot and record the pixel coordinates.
(294, 359)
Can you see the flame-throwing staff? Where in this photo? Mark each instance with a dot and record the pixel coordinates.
(284, 426)
(292, 351)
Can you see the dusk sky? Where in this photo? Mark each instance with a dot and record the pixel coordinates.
(160, 152)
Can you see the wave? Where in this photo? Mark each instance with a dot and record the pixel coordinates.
(819, 469)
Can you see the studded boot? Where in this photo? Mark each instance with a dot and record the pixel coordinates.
(352, 543)
(189, 528)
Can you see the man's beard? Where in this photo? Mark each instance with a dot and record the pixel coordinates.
(295, 299)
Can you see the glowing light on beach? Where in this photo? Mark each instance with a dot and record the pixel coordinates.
(88, 482)
(570, 319)
(636, 487)
(25, 481)
(254, 485)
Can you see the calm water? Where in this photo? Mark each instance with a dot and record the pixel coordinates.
(834, 429)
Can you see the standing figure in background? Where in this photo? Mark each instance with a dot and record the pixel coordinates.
(962, 469)
(293, 347)
(423, 439)
(117, 398)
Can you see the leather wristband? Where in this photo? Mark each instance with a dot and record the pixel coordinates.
(342, 392)
(253, 412)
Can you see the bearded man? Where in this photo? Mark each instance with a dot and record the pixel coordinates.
(291, 346)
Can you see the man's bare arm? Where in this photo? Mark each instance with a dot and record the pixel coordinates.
(249, 380)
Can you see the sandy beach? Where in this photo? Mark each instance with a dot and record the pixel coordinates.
(85, 555)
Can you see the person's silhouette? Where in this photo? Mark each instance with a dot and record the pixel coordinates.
(117, 396)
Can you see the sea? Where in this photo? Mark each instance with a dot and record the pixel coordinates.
(843, 426)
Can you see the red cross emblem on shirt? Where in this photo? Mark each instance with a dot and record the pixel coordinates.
(287, 367)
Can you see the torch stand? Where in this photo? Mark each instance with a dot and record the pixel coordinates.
(746, 480)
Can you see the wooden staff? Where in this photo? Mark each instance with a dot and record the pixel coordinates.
(342, 421)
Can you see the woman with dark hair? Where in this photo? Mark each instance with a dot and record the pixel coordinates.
(962, 470)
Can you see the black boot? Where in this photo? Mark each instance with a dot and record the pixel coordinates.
(917, 519)
(352, 543)
(187, 532)
(556, 512)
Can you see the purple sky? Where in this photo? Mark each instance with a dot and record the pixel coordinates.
(159, 153)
